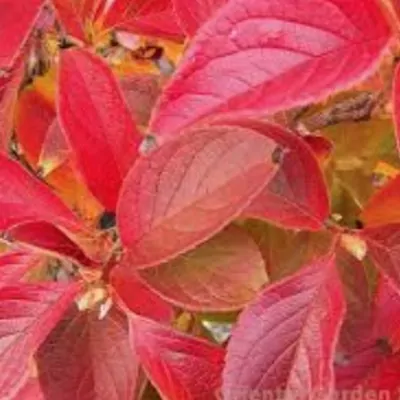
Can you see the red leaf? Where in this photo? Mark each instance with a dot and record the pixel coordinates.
(384, 206)
(27, 199)
(34, 119)
(286, 339)
(8, 98)
(396, 102)
(14, 265)
(106, 147)
(88, 358)
(70, 17)
(293, 53)
(179, 366)
(223, 274)
(384, 246)
(194, 14)
(49, 238)
(291, 199)
(31, 391)
(27, 315)
(17, 19)
(387, 314)
(146, 17)
(189, 189)
(137, 296)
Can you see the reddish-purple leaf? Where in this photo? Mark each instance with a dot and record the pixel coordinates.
(146, 17)
(194, 14)
(88, 358)
(137, 297)
(14, 265)
(384, 247)
(23, 198)
(293, 52)
(141, 93)
(97, 123)
(286, 339)
(292, 199)
(222, 274)
(356, 331)
(47, 237)
(179, 366)
(189, 189)
(27, 315)
(30, 391)
(17, 19)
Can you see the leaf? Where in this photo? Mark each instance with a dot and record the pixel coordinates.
(284, 342)
(72, 17)
(396, 102)
(35, 116)
(31, 391)
(289, 51)
(285, 251)
(27, 315)
(88, 358)
(192, 16)
(222, 274)
(8, 98)
(386, 314)
(291, 199)
(28, 199)
(356, 329)
(14, 264)
(384, 246)
(137, 297)
(189, 189)
(88, 91)
(48, 238)
(179, 366)
(16, 22)
(384, 207)
(141, 92)
(146, 17)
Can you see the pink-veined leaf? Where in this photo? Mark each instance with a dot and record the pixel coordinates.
(146, 17)
(23, 198)
(47, 237)
(223, 274)
(189, 189)
(14, 264)
(8, 98)
(137, 297)
(17, 19)
(106, 147)
(384, 247)
(88, 358)
(179, 366)
(292, 199)
(27, 315)
(286, 339)
(293, 53)
(194, 14)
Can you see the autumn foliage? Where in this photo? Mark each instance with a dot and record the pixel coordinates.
(199, 199)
